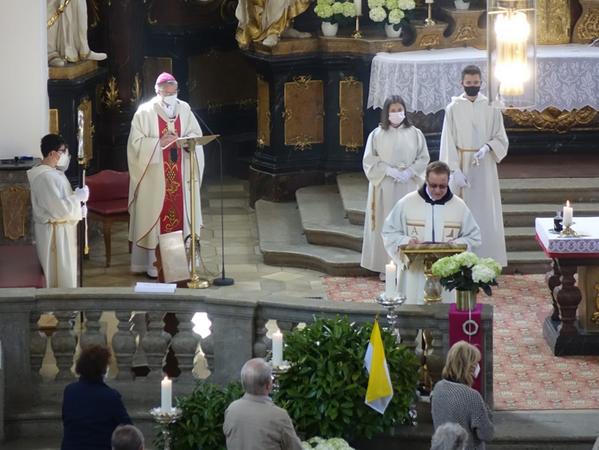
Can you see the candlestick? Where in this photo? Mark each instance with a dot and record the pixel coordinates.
(358, 5)
(390, 273)
(429, 22)
(357, 34)
(568, 214)
(165, 420)
(429, 1)
(277, 348)
(166, 395)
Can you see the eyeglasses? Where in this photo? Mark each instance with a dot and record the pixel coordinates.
(438, 186)
(168, 94)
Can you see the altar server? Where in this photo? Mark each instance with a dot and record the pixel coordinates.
(394, 161)
(430, 214)
(159, 194)
(56, 211)
(473, 142)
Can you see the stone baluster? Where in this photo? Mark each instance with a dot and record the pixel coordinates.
(155, 344)
(185, 345)
(435, 358)
(261, 343)
(207, 345)
(37, 346)
(123, 345)
(91, 333)
(63, 345)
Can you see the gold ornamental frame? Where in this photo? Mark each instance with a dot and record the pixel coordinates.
(351, 129)
(303, 114)
(263, 112)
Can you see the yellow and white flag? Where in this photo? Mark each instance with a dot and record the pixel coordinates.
(380, 391)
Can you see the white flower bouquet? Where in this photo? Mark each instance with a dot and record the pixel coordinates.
(335, 12)
(392, 12)
(318, 443)
(467, 272)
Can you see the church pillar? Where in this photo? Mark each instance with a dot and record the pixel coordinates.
(24, 74)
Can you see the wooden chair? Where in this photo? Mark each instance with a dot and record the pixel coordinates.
(108, 201)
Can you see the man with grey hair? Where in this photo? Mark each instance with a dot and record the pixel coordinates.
(253, 422)
(127, 437)
(449, 436)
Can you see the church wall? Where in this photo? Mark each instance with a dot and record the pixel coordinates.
(24, 74)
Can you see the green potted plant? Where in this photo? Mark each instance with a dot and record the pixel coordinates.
(392, 13)
(333, 13)
(325, 387)
(203, 415)
(318, 443)
(467, 274)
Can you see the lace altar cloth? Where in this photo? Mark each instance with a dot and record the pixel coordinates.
(585, 245)
(567, 77)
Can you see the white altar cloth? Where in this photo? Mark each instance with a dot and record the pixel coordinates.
(567, 76)
(554, 246)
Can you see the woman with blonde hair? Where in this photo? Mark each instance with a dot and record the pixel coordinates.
(394, 162)
(454, 400)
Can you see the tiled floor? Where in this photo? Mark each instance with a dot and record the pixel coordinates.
(243, 261)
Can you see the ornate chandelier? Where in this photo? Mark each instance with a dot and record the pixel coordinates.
(511, 44)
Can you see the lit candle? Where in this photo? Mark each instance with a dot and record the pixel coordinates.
(277, 348)
(568, 213)
(166, 395)
(390, 273)
(358, 5)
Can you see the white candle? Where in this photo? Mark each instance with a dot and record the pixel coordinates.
(568, 213)
(166, 395)
(429, 1)
(277, 348)
(358, 5)
(399, 275)
(390, 273)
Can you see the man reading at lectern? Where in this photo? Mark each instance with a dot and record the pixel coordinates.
(432, 214)
(159, 189)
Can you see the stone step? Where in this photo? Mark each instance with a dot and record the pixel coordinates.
(525, 262)
(283, 243)
(324, 219)
(549, 190)
(353, 189)
(524, 214)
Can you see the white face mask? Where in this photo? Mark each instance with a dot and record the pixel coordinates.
(396, 118)
(63, 161)
(170, 100)
(477, 371)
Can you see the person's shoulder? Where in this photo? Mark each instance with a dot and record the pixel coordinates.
(184, 105)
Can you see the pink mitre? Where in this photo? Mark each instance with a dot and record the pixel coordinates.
(165, 77)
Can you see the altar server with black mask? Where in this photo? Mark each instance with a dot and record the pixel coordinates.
(473, 142)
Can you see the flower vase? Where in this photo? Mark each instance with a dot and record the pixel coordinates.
(465, 300)
(329, 29)
(392, 32)
(461, 4)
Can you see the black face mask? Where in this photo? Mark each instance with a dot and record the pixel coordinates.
(471, 91)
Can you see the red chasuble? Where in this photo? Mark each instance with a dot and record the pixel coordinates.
(171, 216)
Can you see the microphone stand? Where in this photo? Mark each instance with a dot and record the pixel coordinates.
(222, 280)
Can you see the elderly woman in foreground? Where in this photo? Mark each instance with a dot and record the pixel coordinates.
(454, 400)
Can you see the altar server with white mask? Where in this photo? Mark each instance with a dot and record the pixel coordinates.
(473, 142)
(394, 161)
(56, 211)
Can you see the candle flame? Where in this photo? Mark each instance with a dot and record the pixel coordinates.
(568, 203)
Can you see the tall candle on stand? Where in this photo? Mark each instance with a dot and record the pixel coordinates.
(277, 348)
(429, 1)
(358, 5)
(390, 273)
(568, 213)
(166, 395)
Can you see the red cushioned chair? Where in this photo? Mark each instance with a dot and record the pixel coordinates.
(108, 198)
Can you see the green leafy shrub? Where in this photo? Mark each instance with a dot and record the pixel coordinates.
(325, 387)
(201, 426)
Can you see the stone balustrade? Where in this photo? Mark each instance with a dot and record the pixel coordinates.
(237, 333)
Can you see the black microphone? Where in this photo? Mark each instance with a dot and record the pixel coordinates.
(222, 280)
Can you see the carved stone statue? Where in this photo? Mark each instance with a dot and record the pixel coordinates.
(266, 21)
(67, 33)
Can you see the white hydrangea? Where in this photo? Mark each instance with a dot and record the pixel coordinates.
(349, 9)
(318, 443)
(375, 3)
(406, 4)
(467, 259)
(391, 4)
(492, 264)
(324, 11)
(377, 14)
(337, 8)
(481, 273)
(395, 16)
